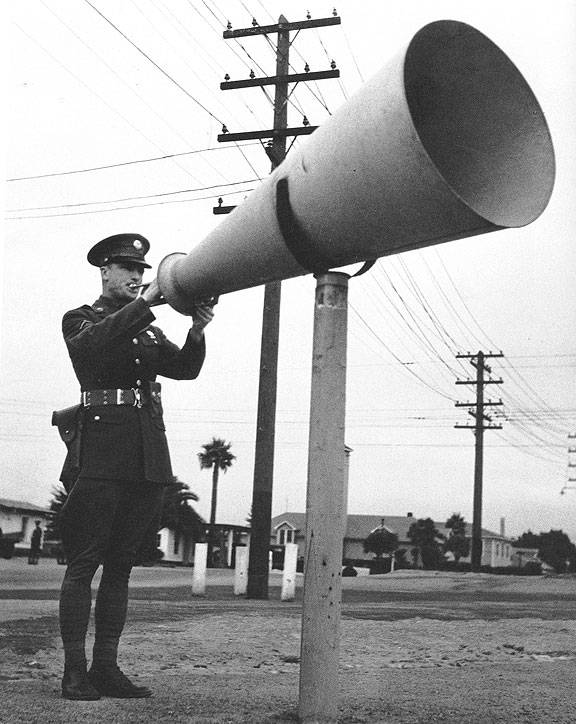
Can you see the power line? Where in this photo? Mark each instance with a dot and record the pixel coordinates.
(130, 86)
(122, 208)
(132, 198)
(154, 63)
(126, 163)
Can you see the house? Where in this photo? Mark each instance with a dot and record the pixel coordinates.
(179, 548)
(291, 528)
(18, 520)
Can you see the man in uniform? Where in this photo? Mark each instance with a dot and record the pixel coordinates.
(124, 461)
(35, 544)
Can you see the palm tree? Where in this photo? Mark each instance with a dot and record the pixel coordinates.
(216, 455)
(178, 515)
(59, 497)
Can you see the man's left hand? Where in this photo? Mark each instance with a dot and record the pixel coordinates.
(202, 315)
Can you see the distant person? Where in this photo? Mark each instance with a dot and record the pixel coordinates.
(123, 463)
(35, 545)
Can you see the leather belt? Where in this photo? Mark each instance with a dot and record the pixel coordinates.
(133, 397)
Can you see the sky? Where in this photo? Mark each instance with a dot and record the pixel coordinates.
(114, 109)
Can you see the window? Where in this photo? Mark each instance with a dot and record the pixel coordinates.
(176, 543)
(285, 535)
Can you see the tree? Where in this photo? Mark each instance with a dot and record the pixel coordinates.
(554, 548)
(557, 550)
(59, 497)
(527, 540)
(457, 543)
(178, 514)
(216, 456)
(381, 541)
(427, 543)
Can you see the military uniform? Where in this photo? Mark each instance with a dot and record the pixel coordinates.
(123, 465)
(117, 348)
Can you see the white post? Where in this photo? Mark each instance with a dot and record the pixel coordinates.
(288, 592)
(241, 571)
(270, 560)
(325, 505)
(199, 571)
(230, 547)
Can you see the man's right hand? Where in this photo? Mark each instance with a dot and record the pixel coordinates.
(152, 294)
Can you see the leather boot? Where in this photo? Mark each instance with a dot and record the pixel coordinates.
(111, 681)
(76, 685)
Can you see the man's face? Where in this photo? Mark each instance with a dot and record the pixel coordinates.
(119, 280)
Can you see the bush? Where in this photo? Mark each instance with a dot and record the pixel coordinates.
(349, 571)
(380, 565)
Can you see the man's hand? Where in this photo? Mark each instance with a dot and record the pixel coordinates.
(202, 314)
(152, 294)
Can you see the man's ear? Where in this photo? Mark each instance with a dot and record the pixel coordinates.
(104, 272)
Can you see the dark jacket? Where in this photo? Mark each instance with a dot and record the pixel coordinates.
(115, 347)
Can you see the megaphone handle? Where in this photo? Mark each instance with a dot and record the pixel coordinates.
(296, 239)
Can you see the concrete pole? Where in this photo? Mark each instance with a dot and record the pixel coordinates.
(199, 571)
(229, 548)
(288, 592)
(241, 571)
(325, 505)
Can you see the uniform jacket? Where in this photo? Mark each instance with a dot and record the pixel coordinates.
(114, 347)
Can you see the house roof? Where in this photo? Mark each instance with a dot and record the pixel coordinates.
(21, 505)
(359, 526)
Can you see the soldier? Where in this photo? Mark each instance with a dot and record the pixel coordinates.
(124, 461)
(35, 544)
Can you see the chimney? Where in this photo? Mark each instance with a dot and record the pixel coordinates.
(503, 527)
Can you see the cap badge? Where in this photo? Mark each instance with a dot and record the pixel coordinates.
(137, 244)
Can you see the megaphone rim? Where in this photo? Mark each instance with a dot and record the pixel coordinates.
(543, 189)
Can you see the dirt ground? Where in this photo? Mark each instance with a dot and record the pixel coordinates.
(415, 647)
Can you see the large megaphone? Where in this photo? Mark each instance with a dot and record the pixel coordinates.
(446, 141)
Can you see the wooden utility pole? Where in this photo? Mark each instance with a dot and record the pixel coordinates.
(266, 416)
(481, 418)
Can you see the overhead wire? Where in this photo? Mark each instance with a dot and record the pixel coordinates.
(395, 356)
(193, 71)
(126, 84)
(124, 208)
(167, 75)
(125, 163)
(132, 198)
(87, 87)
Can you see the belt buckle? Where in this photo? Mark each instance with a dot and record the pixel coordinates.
(137, 397)
(84, 399)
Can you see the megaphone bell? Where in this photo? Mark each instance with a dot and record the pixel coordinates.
(446, 141)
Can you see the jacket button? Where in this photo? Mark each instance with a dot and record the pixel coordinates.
(137, 361)
(138, 383)
(135, 340)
